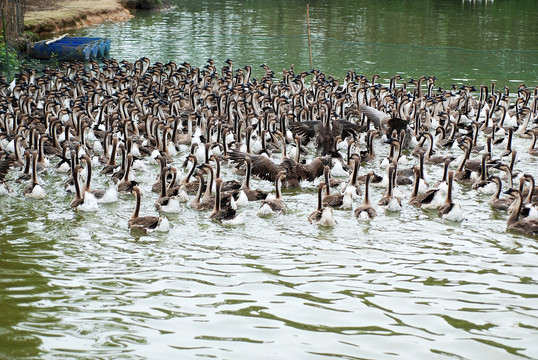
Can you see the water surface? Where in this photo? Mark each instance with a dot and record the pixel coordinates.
(409, 285)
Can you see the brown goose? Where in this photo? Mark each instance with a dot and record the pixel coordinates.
(33, 189)
(107, 196)
(366, 211)
(483, 180)
(322, 216)
(276, 205)
(266, 169)
(220, 213)
(26, 173)
(146, 223)
(426, 199)
(166, 203)
(449, 210)
(332, 200)
(126, 185)
(190, 186)
(78, 199)
(111, 164)
(252, 195)
(525, 226)
(495, 201)
(389, 200)
(197, 203)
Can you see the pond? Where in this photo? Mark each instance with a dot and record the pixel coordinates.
(403, 285)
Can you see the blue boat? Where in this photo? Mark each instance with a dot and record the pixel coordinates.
(70, 48)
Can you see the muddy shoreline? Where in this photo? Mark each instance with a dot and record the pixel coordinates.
(45, 18)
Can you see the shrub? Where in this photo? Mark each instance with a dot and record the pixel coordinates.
(143, 4)
(12, 58)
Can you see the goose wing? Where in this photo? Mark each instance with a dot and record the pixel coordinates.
(145, 222)
(375, 116)
(312, 170)
(306, 129)
(397, 124)
(349, 128)
(262, 166)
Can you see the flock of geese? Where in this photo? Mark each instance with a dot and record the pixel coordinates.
(296, 131)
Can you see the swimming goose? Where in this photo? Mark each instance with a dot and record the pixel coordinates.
(495, 201)
(33, 189)
(276, 205)
(125, 184)
(366, 211)
(197, 203)
(166, 203)
(146, 223)
(514, 223)
(220, 213)
(27, 173)
(323, 215)
(425, 200)
(389, 200)
(333, 200)
(449, 210)
(482, 182)
(102, 196)
(266, 169)
(532, 148)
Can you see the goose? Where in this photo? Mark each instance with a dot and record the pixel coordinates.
(165, 203)
(220, 213)
(190, 186)
(442, 185)
(429, 158)
(323, 215)
(78, 199)
(125, 184)
(82, 201)
(352, 184)
(333, 200)
(102, 196)
(482, 184)
(176, 189)
(146, 223)
(525, 226)
(64, 165)
(276, 205)
(197, 203)
(366, 211)
(156, 187)
(229, 185)
(111, 164)
(449, 210)
(425, 200)
(508, 150)
(532, 148)
(26, 173)
(252, 195)
(266, 169)
(495, 201)
(391, 202)
(33, 189)
(462, 174)
(531, 194)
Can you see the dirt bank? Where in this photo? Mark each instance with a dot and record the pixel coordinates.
(47, 16)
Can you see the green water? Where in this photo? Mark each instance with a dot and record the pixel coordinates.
(456, 41)
(409, 286)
